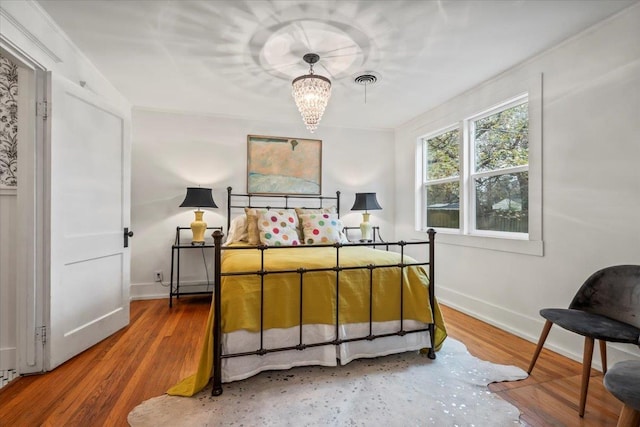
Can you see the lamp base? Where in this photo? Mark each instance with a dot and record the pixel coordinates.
(366, 228)
(198, 228)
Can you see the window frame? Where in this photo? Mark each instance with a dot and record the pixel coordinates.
(426, 182)
(470, 174)
(464, 107)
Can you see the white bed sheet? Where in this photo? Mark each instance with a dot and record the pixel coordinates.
(239, 368)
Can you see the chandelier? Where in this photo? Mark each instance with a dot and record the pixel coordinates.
(311, 93)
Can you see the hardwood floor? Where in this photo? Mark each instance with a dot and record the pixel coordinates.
(102, 385)
(549, 397)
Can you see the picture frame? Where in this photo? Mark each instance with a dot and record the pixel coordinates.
(284, 165)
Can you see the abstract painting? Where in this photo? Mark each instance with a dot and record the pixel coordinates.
(281, 165)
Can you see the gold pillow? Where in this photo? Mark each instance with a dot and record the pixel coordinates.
(329, 209)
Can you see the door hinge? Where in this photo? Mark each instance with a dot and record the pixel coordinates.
(41, 334)
(42, 109)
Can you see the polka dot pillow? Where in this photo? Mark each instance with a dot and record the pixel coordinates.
(304, 211)
(322, 228)
(278, 228)
(253, 214)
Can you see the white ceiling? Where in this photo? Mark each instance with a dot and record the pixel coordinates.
(237, 58)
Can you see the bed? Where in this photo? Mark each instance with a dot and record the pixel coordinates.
(307, 296)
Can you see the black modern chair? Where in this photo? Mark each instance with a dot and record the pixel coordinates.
(606, 308)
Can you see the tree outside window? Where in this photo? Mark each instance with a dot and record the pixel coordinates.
(500, 143)
(443, 179)
(494, 191)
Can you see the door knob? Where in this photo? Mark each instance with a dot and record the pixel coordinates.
(127, 234)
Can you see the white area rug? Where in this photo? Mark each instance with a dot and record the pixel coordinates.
(399, 390)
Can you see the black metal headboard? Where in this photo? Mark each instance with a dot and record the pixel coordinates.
(280, 201)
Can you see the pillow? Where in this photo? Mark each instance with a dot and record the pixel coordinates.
(237, 230)
(253, 233)
(322, 228)
(304, 211)
(277, 228)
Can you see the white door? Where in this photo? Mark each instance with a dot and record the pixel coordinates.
(88, 296)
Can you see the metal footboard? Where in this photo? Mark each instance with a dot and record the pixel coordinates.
(302, 271)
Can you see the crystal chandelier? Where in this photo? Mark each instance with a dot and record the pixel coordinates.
(311, 93)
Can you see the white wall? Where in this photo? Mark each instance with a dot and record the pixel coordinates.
(172, 151)
(8, 240)
(591, 186)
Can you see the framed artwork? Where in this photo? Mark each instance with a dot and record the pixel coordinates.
(281, 165)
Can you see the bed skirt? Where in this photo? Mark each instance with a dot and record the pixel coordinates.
(242, 367)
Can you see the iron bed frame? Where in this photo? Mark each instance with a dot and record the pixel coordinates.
(301, 271)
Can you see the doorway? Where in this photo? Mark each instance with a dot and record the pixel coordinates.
(8, 218)
(21, 215)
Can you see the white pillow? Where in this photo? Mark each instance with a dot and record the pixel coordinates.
(322, 228)
(237, 230)
(278, 228)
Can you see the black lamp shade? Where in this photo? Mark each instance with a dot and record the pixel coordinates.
(366, 202)
(198, 197)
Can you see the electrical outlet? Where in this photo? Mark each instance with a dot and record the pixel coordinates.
(158, 276)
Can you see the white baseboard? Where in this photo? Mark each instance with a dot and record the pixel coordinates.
(156, 290)
(8, 358)
(152, 290)
(559, 340)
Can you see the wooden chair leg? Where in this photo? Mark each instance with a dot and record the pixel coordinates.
(629, 417)
(603, 356)
(543, 337)
(586, 372)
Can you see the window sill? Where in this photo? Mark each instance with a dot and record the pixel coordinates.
(525, 247)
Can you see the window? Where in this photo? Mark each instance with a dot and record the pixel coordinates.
(484, 190)
(499, 142)
(442, 183)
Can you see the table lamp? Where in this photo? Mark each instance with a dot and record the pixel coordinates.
(198, 197)
(366, 202)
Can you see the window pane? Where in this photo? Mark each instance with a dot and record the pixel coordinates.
(443, 155)
(502, 203)
(443, 208)
(502, 139)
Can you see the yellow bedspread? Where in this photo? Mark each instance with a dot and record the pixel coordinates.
(241, 295)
